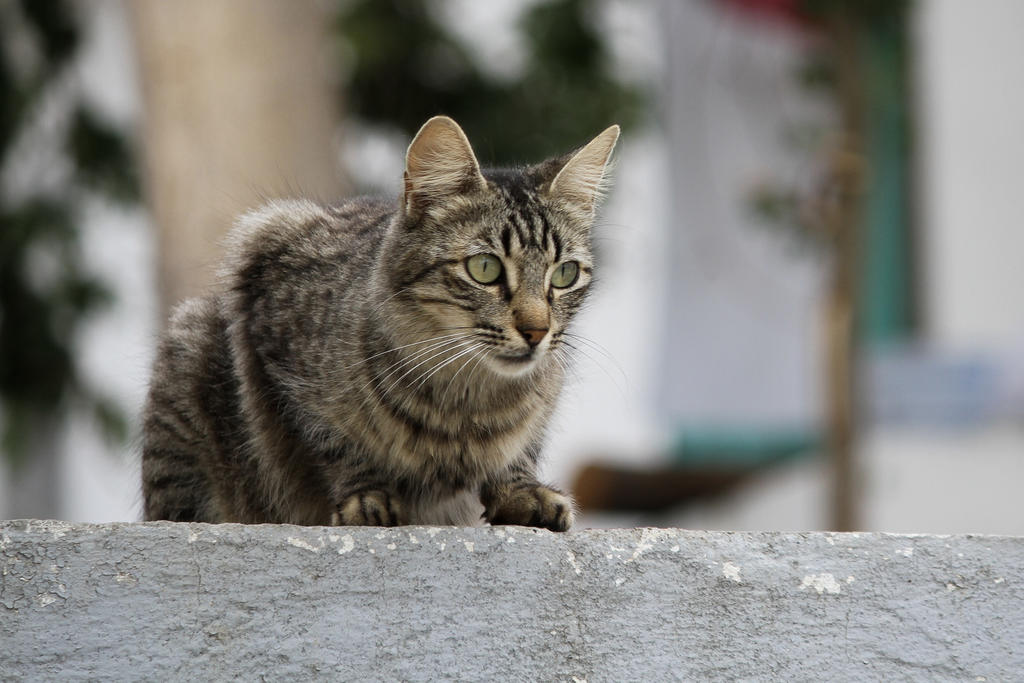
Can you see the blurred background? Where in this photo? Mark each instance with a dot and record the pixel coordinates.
(809, 311)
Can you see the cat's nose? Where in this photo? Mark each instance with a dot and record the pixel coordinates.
(532, 336)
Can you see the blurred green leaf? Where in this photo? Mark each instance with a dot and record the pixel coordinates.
(43, 303)
(408, 67)
(103, 159)
(56, 29)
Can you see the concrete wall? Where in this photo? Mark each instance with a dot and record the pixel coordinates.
(174, 602)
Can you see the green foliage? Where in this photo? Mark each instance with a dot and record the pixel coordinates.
(875, 32)
(103, 159)
(44, 291)
(408, 66)
(783, 207)
(869, 14)
(871, 17)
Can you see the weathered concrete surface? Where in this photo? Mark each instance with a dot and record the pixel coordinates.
(175, 602)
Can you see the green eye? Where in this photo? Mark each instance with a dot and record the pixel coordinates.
(484, 268)
(565, 274)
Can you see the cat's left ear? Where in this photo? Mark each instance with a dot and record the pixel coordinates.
(581, 180)
(439, 163)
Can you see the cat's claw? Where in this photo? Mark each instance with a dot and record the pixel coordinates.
(533, 505)
(370, 508)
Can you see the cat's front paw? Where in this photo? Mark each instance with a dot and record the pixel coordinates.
(532, 505)
(373, 507)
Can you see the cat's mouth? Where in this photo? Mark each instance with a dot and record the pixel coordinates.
(524, 357)
(517, 362)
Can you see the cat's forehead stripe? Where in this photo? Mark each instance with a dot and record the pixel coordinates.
(522, 225)
(545, 238)
(506, 239)
(529, 219)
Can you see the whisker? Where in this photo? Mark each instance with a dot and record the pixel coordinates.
(560, 356)
(384, 374)
(370, 399)
(404, 346)
(481, 352)
(397, 366)
(479, 362)
(456, 344)
(382, 303)
(603, 351)
(449, 361)
(591, 343)
(377, 308)
(614, 381)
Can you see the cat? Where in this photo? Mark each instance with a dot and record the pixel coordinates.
(381, 362)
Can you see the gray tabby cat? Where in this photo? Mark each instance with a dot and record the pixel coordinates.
(377, 363)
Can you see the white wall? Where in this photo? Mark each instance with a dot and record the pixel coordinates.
(970, 112)
(742, 343)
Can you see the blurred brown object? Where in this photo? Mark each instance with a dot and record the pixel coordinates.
(240, 105)
(605, 487)
(845, 224)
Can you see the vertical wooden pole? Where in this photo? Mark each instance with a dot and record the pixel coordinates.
(240, 105)
(842, 297)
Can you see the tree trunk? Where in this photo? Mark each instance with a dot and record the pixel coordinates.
(239, 106)
(841, 299)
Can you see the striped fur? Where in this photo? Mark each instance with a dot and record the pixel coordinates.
(350, 370)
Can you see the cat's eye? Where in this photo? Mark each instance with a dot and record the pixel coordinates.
(565, 274)
(484, 268)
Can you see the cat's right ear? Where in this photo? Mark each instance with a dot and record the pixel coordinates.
(439, 163)
(582, 179)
